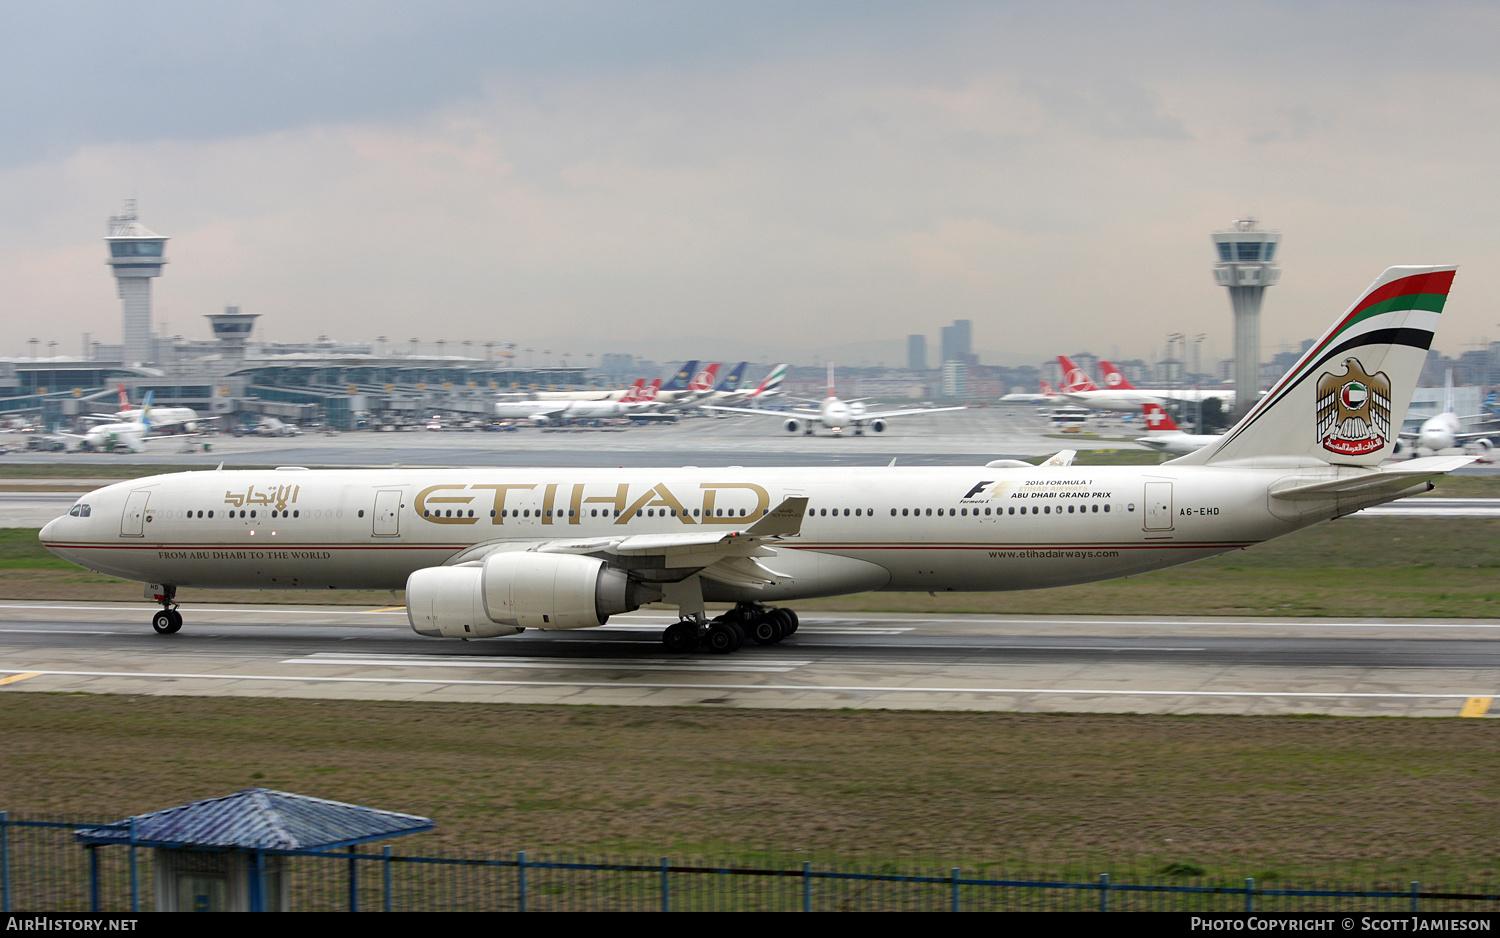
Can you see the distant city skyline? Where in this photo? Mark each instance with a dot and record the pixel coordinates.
(796, 179)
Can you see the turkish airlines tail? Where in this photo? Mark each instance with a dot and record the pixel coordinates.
(633, 393)
(1115, 378)
(1047, 390)
(1073, 377)
(124, 398)
(1344, 400)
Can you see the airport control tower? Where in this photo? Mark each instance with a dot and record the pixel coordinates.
(1245, 266)
(135, 256)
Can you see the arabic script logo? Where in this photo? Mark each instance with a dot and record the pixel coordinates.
(1354, 410)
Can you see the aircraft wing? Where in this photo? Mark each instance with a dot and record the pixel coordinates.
(883, 414)
(730, 557)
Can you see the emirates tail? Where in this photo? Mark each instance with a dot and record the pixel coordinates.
(1073, 377)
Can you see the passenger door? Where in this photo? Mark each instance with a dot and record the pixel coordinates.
(387, 513)
(1158, 506)
(133, 520)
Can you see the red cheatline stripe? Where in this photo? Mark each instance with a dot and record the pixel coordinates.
(1438, 282)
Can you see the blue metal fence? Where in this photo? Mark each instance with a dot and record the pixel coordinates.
(44, 869)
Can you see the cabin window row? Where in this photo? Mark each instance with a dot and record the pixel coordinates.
(574, 513)
(243, 513)
(1092, 508)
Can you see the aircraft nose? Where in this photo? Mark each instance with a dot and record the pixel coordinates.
(48, 530)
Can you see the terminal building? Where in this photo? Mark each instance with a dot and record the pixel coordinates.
(232, 376)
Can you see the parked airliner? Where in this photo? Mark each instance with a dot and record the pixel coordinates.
(833, 414)
(1164, 435)
(488, 552)
(1444, 432)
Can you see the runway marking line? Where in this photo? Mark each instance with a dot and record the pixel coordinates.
(798, 688)
(385, 609)
(1476, 707)
(23, 676)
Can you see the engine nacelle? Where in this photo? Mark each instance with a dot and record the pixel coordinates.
(519, 589)
(877, 426)
(1481, 446)
(791, 426)
(541, 420)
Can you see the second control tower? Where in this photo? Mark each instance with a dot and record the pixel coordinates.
(135, 256)
(1245, 266)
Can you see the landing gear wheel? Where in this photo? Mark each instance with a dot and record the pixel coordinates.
(682, 637)
(791, 619)
(767, 630)
(166, 622)
(724, 637)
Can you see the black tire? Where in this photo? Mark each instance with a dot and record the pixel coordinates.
(176, 620)
(767, 630)
(724, 638)
(788, 622)
(682, 637)
(162, 622)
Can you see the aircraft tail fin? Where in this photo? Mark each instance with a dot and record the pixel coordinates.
(1073, 377)
(1344, 400)
(1158, 420)
(1448, 391)
(124, 398)
(1115, 378)
(830, 380)
(772, 381)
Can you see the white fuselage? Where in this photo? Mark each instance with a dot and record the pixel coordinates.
(959, 528)
(1133, 398)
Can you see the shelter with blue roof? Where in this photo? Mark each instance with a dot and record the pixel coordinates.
(229, 854)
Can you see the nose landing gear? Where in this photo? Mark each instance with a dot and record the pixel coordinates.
(169, 620)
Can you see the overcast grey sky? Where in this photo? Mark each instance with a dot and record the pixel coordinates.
(783, 176)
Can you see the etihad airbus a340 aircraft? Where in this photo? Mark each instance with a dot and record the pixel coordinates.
(488, 552)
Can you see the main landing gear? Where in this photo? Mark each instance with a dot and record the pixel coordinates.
(765, 625)
(169, 620)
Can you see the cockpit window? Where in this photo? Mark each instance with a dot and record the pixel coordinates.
(79, 510)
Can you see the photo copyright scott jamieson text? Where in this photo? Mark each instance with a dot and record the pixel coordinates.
(1347, 923)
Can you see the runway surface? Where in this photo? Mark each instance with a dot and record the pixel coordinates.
(1097, 664)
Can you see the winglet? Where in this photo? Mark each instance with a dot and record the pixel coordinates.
(785, 520)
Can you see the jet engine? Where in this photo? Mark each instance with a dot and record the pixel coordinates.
(519, 589)
(877, 426)
(1481, 447)
(791, 426)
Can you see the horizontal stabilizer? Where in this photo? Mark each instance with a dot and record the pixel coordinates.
(1377, 483)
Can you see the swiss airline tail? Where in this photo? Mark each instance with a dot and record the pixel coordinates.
(1158, 420)
(1345, 399)
(1073, 377)
(1115, 378)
